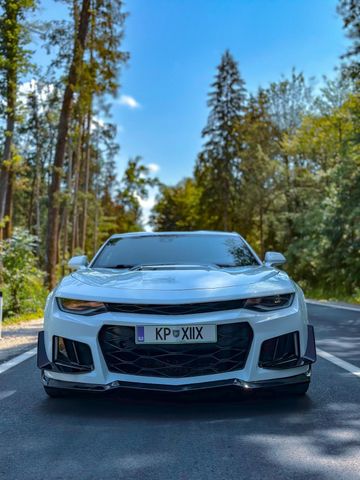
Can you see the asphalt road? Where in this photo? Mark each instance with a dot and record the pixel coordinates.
(220, 436)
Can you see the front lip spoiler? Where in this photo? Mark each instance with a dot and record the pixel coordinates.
(234, 382)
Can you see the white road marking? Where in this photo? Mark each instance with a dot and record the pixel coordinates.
(6, 394)
(16, 360)
(333, 305)
(349, 367)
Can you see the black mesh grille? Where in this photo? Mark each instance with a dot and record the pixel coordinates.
(182, 309)
(229, 353)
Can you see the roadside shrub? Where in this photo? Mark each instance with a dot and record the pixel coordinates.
(20, 279)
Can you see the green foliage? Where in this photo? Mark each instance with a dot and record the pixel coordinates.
(350, 12)
(22, 281)
(217, 165)
(177, 208)
(14, 36)
(293, 183)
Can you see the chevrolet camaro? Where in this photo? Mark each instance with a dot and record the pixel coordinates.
(176, 311)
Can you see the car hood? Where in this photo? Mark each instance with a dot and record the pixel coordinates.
(170, 285)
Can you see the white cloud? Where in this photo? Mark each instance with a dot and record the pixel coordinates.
(32, 86)
(27, 87)
(96, 122)
(153, 167)
(147, 205)
(129, 101)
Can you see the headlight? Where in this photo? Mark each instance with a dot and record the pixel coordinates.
(273, 302)
(81, 307)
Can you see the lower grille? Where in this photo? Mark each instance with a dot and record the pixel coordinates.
(70, 356)
(123, 355)
(280, 352)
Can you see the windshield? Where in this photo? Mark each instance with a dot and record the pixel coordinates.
(221, 250)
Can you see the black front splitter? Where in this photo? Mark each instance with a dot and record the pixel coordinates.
(234, 382)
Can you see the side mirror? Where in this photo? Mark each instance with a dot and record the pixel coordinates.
(274, 258)
(80, 261)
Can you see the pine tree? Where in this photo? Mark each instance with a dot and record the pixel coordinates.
(218, 164)
(93, 71)
(350, 11)
(14, 62)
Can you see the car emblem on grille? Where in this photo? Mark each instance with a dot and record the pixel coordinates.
(176, 333)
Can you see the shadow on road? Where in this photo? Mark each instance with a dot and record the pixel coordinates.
(220, 434)
(152, 406)
(311, 437)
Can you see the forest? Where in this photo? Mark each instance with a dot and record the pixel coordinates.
(281, 165)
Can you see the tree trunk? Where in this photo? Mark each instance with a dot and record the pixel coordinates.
(87, 178)
(9, 204)
(38, 169)
(261, 215)
(75, 215)
(31, 204)
(54, 191)
(66, 215)
(96, 221)
(11, 80)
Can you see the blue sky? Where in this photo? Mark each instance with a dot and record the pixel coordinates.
(175, 46)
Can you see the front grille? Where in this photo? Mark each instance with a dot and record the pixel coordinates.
(182, 309)
(123, 355)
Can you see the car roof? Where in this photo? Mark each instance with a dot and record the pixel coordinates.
(156, 234)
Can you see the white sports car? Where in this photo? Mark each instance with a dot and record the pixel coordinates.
(176, 311)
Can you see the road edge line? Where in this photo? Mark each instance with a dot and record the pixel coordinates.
(349, 367)
(333, 305)
(4, 367)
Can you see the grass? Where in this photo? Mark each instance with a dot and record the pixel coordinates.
(24, 317)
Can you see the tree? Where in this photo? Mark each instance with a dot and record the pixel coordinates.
(134, 186)
(288, 101)
(218, 164)
(93, 70)
(81, 30)
(14, 62)
(330, 224)
(260, 171)
(23, 280)
(350, 11)
(177, 208)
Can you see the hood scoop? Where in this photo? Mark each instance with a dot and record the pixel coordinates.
(166, 278)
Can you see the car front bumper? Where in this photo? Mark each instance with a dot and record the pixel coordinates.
(264, 326)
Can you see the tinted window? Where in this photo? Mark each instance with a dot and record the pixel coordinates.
(221, 250)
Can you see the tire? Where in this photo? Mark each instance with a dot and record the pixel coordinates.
(55, 392)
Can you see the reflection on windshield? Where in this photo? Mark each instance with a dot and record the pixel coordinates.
(131, 252)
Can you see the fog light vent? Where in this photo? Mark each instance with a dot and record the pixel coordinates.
(280, 352)
(71, 356)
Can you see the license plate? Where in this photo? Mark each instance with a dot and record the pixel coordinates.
(176, 334)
